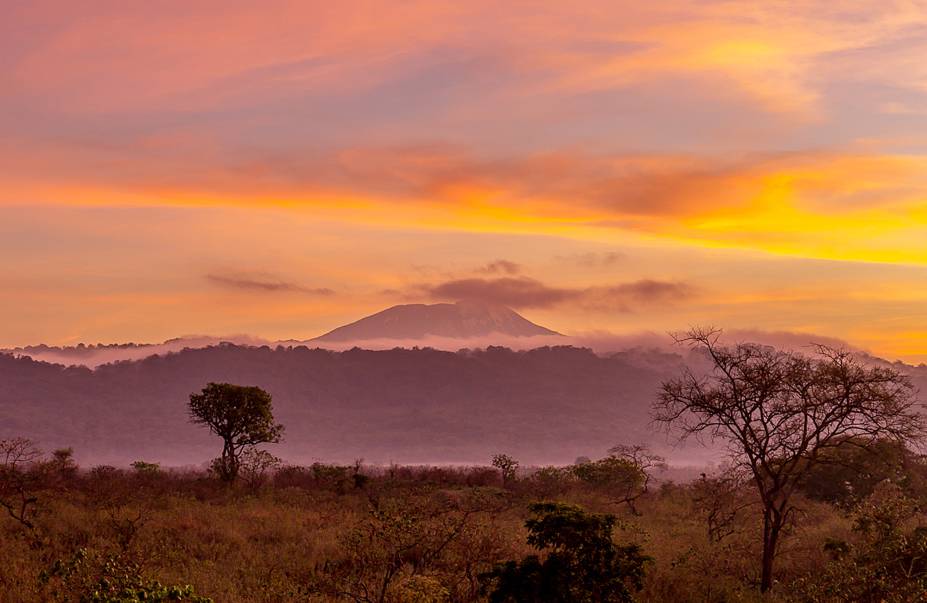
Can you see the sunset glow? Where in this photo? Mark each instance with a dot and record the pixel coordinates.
(277, 169)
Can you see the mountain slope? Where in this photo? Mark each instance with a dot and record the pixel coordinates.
(463, 319)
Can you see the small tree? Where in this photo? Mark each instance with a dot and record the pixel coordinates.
(583, 565)
(62, 464)
(507, 466)
(780, 412)
(144, 468)
(20, 479)
(719, 499)
(403, 538)
(242, 416)
(256, 465)
(624, 474)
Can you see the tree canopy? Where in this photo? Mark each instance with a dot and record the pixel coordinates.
(241, 415)
(582, 565)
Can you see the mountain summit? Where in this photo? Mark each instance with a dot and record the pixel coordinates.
(463, 319)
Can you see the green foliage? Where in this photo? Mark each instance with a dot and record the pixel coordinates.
(339, 478)
(887, 565)
(145, 468)
(624, 475)
(847, 474)
(550, 482)
(582, 565)
(84, 578)
(329, 475)
(242, 416)
(610, 472)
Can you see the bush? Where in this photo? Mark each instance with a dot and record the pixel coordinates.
(85, 578)
(887, 565)
(583, 565)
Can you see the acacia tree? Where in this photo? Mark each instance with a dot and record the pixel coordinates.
(242, 416)
(780, 412)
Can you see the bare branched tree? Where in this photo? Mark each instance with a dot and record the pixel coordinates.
(779, 411)
(20, 478)
(256, 467)
(719, 499)
(646, 462)
(402, 537)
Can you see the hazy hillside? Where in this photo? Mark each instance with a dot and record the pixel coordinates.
(405, 405)
(93, 355)
(419, 405)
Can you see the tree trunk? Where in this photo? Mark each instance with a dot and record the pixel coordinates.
(229, 462)
(771, 528)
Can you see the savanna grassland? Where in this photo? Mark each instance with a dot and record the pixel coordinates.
(418, 534)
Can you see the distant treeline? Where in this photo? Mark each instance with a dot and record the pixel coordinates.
(405, 405)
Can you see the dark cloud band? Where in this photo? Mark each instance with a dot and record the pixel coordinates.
(268, 285)
(524, 292)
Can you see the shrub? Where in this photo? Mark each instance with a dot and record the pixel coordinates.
(88, 578)
(583, 565)
(887, 565)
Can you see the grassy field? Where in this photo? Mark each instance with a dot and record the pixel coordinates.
(396, 534)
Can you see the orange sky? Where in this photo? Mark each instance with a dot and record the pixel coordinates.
(279, 168)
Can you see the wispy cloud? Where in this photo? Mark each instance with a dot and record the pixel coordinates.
(264, 283)
(524, 292)
(593, 259)
(500, 267)
(644, 291)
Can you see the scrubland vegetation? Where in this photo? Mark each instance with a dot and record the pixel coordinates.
(330, 533)
(821, 501)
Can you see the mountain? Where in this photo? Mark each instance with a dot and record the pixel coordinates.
(464, 319)
(446, 326)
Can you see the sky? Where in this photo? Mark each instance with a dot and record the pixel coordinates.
(280, 168)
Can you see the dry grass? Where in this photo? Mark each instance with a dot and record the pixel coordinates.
(306, 540)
